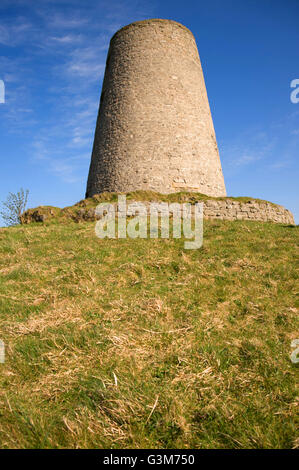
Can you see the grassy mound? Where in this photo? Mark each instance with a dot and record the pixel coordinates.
(50, 214)
(140, 343)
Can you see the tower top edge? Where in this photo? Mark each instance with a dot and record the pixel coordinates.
(143, 23)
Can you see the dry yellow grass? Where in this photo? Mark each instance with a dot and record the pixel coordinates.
(140, 343)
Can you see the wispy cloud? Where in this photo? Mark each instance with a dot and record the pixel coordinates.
(87, 62)
(68, 169)
(247, 149)
(274, 147)
(278, 165)
(67, 22)
(69, 39)
(54, 84)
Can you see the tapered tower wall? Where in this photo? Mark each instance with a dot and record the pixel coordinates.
(154, 129)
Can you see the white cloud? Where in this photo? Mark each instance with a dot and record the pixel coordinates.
(67, 39)
(4, 35)
(275, 147)
(278, 165)
(248, 149)
(63, 49)
(12, 34)
(63, 22)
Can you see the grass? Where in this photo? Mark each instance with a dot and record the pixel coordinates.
(142, 344)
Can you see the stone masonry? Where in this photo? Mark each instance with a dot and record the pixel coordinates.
(252, 210)
(226, 209)
(154, 129)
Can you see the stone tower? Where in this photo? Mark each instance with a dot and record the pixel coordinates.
(154, 129)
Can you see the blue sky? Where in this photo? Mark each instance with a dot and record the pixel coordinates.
(52, 58)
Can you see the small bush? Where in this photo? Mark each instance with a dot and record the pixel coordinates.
(13, 207)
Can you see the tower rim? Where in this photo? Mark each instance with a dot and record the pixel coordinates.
(150, 21)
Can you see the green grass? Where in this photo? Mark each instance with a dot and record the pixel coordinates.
(142, 344)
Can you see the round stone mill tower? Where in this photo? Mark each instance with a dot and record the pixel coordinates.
(154, 129)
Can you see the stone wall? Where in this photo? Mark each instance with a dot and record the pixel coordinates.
(154, 129)
(229, 209)
(226, 209)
